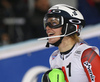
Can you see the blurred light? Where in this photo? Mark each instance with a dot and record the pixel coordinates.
(12, 21)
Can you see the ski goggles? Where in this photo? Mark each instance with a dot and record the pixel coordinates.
(53, 21)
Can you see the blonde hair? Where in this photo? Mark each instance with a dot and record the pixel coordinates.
(76, 38)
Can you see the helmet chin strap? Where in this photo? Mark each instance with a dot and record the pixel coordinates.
(58, 42)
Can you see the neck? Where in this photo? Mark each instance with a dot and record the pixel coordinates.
(66, 44)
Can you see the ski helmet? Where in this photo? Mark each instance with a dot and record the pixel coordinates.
(65, 16)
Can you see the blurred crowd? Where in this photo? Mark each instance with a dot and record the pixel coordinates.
(19, 23)
(10, 12)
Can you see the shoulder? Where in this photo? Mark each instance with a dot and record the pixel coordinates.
(84, 48)
(54, 54)
(89, 53)
(87, 48)
(52, 58)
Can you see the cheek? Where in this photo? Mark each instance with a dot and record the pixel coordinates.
(59, 31)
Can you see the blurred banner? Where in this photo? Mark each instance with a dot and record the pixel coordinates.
(27, 61)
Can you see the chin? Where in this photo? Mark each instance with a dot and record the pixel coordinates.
(53, 40)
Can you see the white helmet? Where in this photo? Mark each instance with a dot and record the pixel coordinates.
(66, 16)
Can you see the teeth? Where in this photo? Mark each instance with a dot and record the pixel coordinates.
(50, 33)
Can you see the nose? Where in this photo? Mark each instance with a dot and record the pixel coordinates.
(48, 29)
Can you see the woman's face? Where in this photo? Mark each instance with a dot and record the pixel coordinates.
(53, 32)
(51, 29)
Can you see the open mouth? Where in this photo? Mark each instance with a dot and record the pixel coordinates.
(50, 34)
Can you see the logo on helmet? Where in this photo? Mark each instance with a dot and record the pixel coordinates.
(74, 13)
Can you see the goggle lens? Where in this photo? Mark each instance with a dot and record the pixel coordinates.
(52, 22)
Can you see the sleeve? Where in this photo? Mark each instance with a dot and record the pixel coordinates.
(91, 63)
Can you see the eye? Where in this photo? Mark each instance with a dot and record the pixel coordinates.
(54, 23)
